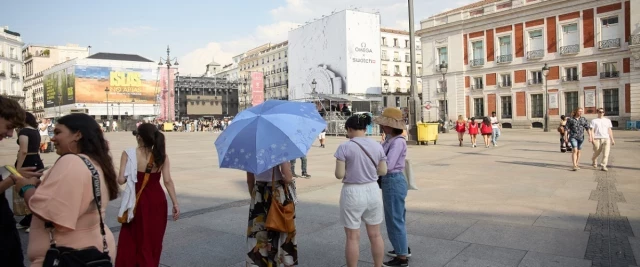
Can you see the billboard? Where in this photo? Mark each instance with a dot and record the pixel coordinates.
(340, 52)
(257, 88)
(59, 84)
(167, 95)
(125, 84)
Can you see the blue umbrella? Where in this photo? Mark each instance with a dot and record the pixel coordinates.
(268, 134)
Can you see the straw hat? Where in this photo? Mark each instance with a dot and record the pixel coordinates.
(391, 117)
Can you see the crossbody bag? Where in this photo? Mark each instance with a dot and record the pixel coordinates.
(58, 256)
(375, 166)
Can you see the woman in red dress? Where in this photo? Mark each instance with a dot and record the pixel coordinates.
(461, 127)
(473, 131)
(486, 131)
(140, 242)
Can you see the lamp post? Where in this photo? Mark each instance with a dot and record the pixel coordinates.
(178, 90)
(443, 70)
(119, 117)
(167, 62)
(545, 72)
(106, 91)
(244, 93)
(414, 93)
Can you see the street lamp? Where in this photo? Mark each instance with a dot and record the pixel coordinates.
(545, 72)
(443, 70)
(313, 86)
(167, 62)
(106, 90)
(178, 81)
(244, 93)
(119, 117)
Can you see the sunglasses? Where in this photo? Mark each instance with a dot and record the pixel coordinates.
(600, 111)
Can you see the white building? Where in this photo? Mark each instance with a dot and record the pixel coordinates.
(38, 58)
(271, 61)
(496, 50)
(231, 70)
(396, 67)
(11, 64)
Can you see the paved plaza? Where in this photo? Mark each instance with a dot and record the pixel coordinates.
(517, 204)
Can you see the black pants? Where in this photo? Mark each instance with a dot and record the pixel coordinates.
(10, 247)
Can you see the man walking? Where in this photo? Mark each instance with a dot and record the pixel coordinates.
(303, 159)
(575, 135)
(495, 129)
(602, 138)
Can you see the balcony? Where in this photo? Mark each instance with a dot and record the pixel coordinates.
(535, 81)
(441, 90)
(385, 73)
(397, 74)
(397, 60)
(569, 49)
(2, 73)
(505, 84)
(608, 44)
(419, 61)
(407, 60)
(286, 69)
(634, 39)
(477, 87)
(505, 58)
(385, 59)
(15, 76)
(279, 70)
(572, 78)
(476, 62)
(535, 54)
(609, 74)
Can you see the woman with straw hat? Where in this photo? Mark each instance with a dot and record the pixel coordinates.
(394, 185)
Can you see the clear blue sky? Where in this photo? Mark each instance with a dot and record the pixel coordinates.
(193, 29)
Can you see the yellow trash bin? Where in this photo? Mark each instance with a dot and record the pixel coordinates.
(427, 132)
(168, 127)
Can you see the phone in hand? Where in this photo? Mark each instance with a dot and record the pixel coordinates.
(43, 169)
(12, 170)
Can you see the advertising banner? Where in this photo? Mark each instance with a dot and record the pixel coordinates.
(59, 88)
(125, 84)
(167, 95)
(589, 98)
(257, 88)
(553, 100)
(341, 53)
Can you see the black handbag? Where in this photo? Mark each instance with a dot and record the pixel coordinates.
(58, 256)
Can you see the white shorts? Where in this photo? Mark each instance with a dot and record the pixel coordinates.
(361, 202)
(322, 135)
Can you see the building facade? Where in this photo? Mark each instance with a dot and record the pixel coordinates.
(11, 80)
(496, 50)
(38, 58)
(270, 60)
(396, 68)
(198, 97)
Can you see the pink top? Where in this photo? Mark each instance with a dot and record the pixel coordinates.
(65, 197)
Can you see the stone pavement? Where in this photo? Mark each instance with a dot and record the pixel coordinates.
(517, 204)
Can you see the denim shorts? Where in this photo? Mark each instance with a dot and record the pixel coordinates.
(576, 143)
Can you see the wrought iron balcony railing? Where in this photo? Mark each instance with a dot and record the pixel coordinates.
(476, 62)
(505, 84)
(569, 49)
(397, 60)
(505, 58)
(572, 78)
(609, 74)
(385, 59)
(634, 39)
(477, 87)
(535, 81)
(611, 43)
(535, 54)
(385, 73)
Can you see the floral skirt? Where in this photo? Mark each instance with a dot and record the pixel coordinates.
(268, 248)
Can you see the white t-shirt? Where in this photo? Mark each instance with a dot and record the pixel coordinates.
(601, 128)
(494, 122)
(43, 132)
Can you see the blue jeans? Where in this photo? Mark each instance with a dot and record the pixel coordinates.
(394, 192)
(494, 135)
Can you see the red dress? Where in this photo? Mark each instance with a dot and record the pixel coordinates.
(140, 242)
(485, 129)
(473, 128)
(460, 127)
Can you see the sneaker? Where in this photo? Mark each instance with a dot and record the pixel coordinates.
(306, 176)
(20, 226)
(595, 165)
(397, 262)
(295, 175)
(604, 168)
(393, 253)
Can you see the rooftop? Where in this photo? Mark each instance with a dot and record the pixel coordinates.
(466, 7)
(394, 31)
(120, 57)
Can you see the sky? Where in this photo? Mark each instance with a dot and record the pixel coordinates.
(196, 31)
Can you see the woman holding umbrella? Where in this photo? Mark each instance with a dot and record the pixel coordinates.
(394, 185)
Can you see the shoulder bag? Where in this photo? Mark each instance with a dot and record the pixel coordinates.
(408, 173)
(281, 215)
(58, 256)
(147, 172)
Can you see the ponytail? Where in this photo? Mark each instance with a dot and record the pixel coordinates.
(158, 150)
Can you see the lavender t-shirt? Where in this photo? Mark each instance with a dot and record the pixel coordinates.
(359, 168)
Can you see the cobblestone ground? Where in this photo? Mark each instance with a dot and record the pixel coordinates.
(517, 204)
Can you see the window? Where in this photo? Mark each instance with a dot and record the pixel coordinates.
(478, 50)
(477, 83)
(384, 55)
(609, 70)
(506, 107)
(537, 106)
(570, 34)
(396, 56)
(395, 42)
(478, 107)
(419, 71)
(571, 74)
(385, 69)
(442, 106)
(505, 49)
(408, 70)
(611, 102)
(397, 69)
(570, 102)
(12, 52)
(442, 55)
(505, 80)
(536, 77)
(609, 28)
(536, 45)
(384, 40)
(397, 101)
(407, 58)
